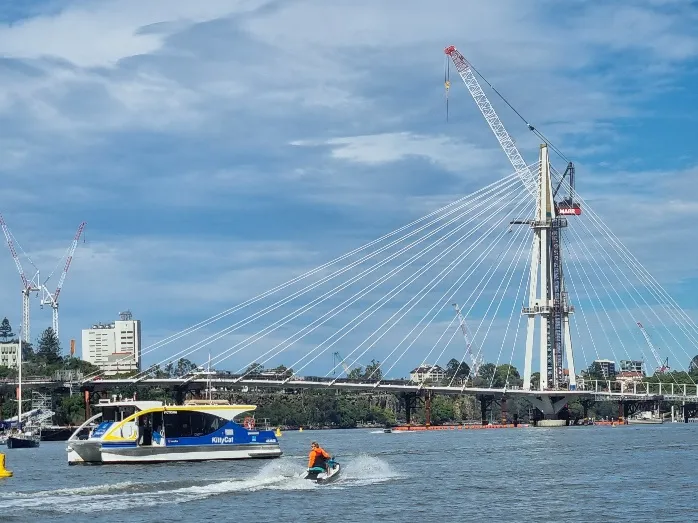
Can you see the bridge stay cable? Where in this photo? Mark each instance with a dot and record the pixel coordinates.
(448, 298)
(513, 264)
(219, 357)
(423, 269)
(491, 270)
(445, 211)
(377, 303)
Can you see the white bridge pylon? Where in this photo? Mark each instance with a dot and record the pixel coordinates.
(548, 305)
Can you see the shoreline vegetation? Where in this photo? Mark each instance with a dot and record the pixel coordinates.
(326, 409)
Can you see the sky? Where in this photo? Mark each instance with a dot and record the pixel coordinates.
(217, 149)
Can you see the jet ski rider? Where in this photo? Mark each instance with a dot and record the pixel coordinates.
(317, 457)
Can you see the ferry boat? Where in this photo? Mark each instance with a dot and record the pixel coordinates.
(133, 431)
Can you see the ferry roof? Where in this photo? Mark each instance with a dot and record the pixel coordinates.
(139, 404)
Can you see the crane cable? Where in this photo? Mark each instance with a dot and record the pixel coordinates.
(530, 127)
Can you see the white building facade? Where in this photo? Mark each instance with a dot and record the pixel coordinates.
(9, 355)
(427, 372)
(114, 347)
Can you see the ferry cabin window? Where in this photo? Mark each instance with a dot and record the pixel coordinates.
(191, 424)
(116, 413)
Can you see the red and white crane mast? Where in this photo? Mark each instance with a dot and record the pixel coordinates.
(28, 286)
(662, 366)
(553, 304)
(475, 360)
(52, 299)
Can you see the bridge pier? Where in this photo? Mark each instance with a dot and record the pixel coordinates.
(427, 408)
(179, 395)
(690, 410)
(551, 410)
(410, 401)
(485, 404)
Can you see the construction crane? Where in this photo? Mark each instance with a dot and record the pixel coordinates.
(560, 309)
(51, 299)
(566, 206)
(28, 286)
(475, 361)
(337, 357)
(662, 366)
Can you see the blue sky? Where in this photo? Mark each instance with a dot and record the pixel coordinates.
(217, 149)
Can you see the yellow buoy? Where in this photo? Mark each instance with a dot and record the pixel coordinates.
(277, 432)
(4, 473)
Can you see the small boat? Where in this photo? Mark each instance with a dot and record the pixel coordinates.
(23, 439)
(387, 431)
(133, 431)
(323, 476)
(646, 418)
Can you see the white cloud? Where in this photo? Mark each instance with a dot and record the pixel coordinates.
(91, 34)
(392, 147)
(308, 124)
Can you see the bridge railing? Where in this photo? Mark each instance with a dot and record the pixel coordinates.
(646, 388)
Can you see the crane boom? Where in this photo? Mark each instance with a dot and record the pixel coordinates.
(467, 74)
(69, 259)
(475, 362)
(338, 356)
(662, 366)
(13, 252)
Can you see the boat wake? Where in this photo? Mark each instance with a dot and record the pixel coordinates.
(279, 475)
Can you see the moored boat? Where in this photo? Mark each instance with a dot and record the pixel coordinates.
(646, 418)
(23, 440)
(134, 431)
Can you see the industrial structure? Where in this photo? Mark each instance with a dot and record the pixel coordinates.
(476, 359)
(662, 365)
(29, 285)
(48, 298)
(114, 347)
(35, 285)
(548, 300)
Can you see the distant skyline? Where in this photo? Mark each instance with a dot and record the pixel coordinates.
(216, 149)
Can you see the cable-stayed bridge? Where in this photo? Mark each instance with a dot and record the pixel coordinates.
(392, 302)
(491, 283)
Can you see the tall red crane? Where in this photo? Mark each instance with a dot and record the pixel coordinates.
(662, 366)
(28, 286)
(557, 319)
(52, 299)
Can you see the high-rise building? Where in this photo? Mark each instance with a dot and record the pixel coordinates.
(9, 354)
(632, 365)
(608, 367)
(114, 347)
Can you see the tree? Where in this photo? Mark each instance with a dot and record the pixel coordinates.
(49, 348)
(373, 371)
(6, 330)
(356, 373)
(255, 368)
(184, 366)
(457, 370)
(506, 375)
(486, 373)
(595, 372)
(693, 366)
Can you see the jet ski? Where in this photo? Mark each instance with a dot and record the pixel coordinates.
(323, 476)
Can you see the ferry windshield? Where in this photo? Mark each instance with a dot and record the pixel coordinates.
(117, 413)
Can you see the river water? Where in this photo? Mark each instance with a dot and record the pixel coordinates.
(627, 473)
